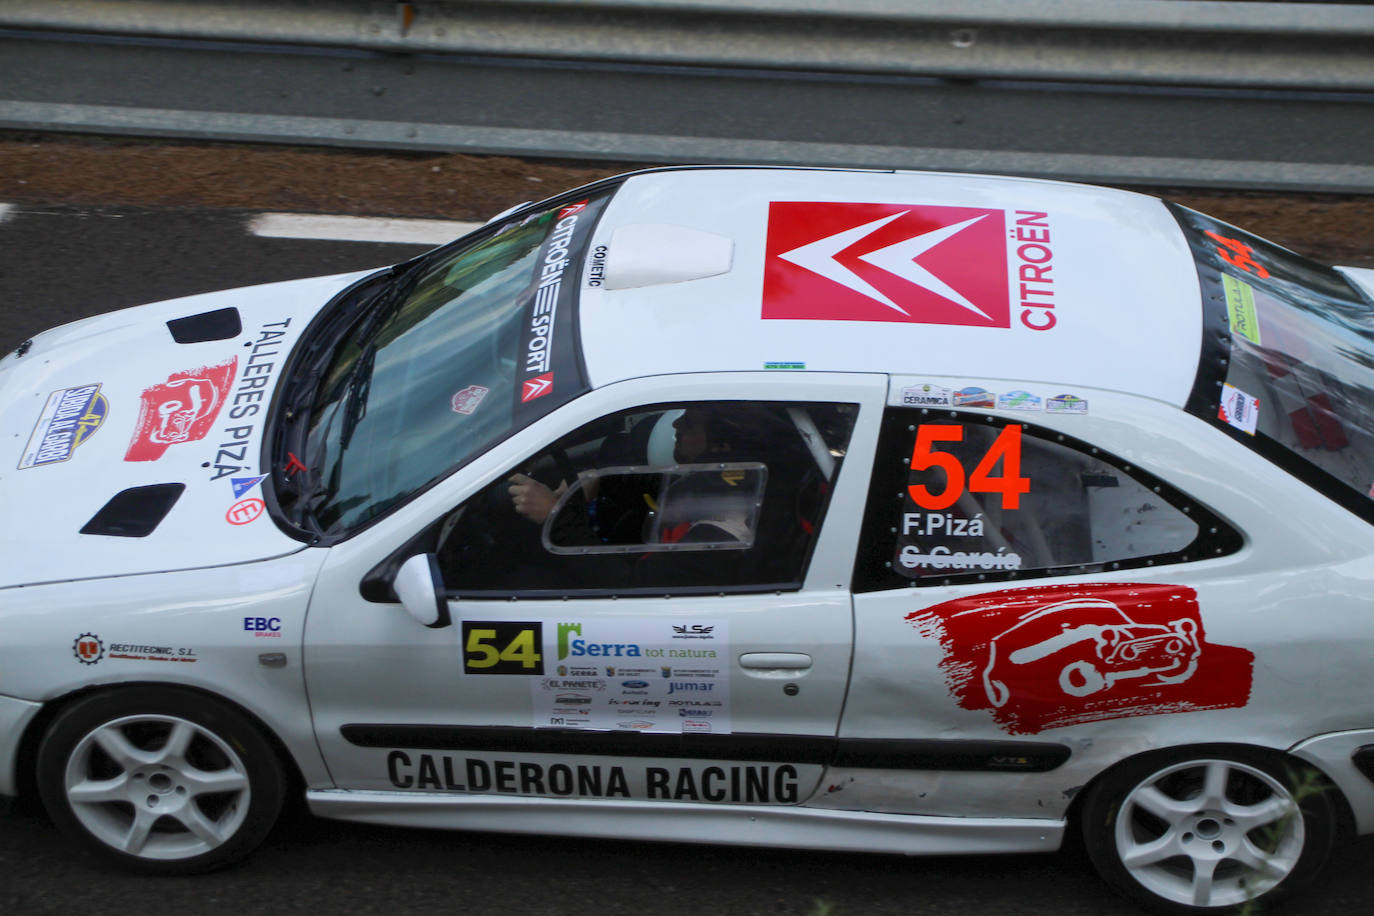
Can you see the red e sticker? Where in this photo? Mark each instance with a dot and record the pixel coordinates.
(244, 511)
(920, 264)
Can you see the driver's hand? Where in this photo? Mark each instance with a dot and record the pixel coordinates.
(532, 499)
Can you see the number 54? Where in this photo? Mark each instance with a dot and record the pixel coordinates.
(483, 650)
(1006, 448)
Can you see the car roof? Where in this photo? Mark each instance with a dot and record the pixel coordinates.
(911, 273)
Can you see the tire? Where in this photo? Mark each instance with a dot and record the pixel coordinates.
(1209, 829)
(160, 780)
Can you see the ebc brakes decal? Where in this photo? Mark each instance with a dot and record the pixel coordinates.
(1054, 656)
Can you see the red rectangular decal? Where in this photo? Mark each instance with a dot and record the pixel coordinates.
(912, 263)
(1054, 656)
(181, 409)
(571, 209)
(536, 387)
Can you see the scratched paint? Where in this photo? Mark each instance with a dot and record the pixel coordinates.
(1054, 656)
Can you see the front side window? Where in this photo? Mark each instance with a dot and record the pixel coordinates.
(1288, 361)
(695, 497)
(709, 506)
(958, 497)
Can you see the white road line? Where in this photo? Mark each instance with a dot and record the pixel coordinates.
(358, 228)
(5, 211)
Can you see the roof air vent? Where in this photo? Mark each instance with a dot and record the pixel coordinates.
(221, 324)
(651, 254)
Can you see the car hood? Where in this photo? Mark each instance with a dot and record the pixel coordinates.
(134, 438)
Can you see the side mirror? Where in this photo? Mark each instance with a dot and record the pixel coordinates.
(420, 586)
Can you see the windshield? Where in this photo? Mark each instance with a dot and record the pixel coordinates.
(474, 342)
(1289, 365)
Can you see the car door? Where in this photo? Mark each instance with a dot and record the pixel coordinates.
(1038, 596)
(628, 666)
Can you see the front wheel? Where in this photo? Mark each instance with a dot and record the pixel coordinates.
(160, 780)
(1209, 830)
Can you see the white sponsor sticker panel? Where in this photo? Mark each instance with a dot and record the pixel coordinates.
(1239, 409)
(634, 675)
(926, 395)
(68, 418)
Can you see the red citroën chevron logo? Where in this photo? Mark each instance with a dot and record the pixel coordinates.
(537, 387)
(886, 262)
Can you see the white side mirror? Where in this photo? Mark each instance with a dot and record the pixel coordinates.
(420, 586)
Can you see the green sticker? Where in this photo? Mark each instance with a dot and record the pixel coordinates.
(784, 365)
(1240, 308)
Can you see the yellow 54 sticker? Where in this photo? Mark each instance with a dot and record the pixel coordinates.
(503, 647)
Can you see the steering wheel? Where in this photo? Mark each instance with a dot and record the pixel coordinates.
(493, 504)
(564, 464)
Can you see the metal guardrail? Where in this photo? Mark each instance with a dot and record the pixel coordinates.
(1252, 94)
(1325, 46)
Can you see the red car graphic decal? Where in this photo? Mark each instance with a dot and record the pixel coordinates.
(1053, 656)
(467, 400)
(181, 409)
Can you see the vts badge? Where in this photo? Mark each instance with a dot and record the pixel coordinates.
(886, 262)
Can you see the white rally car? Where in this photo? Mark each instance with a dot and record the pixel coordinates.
(912, 513)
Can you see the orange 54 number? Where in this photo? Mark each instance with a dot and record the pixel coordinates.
(1238, 254)
(1006, 448)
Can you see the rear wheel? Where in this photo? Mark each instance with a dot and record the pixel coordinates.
(1209, 830)
(160, 780)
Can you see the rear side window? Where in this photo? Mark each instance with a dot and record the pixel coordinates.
(1287, 365)
(963, 497)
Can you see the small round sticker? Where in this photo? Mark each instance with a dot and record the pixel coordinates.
(244, 511)
(88, 649)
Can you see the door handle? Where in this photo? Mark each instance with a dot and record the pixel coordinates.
(774, 660)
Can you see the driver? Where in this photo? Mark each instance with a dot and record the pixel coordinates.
(701, 434)
(535, 501)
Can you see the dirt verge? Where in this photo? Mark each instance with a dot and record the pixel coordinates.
(55, 168)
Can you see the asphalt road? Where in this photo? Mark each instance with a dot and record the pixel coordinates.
(319, 866)
(61, 263)
(58, 264)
